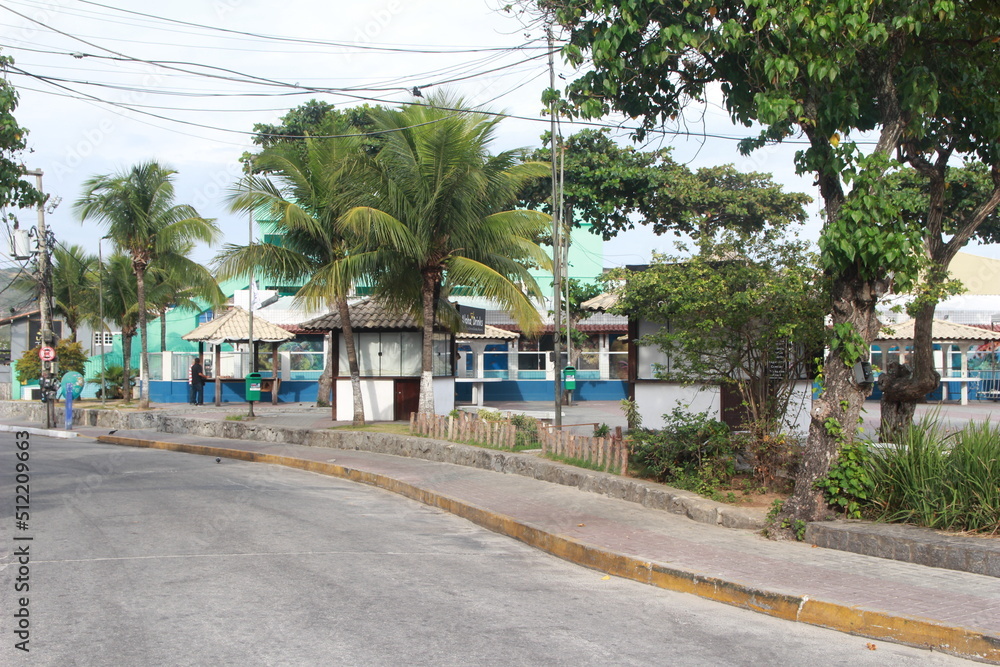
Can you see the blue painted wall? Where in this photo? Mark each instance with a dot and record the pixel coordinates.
(291, 391)
(542, 390)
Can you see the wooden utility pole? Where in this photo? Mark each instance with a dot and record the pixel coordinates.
(49, 382)
(556, 209)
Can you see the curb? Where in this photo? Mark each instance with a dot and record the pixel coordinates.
(801, 608)
(50, 432)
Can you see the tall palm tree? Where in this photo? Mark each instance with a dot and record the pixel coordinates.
(302, 193)
(180, 283)
(440, 217)
(72, 275)
(137, 207)
(121, 306)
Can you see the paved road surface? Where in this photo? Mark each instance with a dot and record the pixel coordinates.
(146, 557)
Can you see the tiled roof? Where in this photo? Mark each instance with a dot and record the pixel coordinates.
(601, 302)
(941, 330)
(490, 332)
(367, 314)
(234, 325)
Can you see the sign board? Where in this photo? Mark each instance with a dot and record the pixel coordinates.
(47, 353)
(473, 319)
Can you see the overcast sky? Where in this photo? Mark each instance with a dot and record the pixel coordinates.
(104, 89)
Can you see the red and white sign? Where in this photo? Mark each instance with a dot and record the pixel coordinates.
(47, 353)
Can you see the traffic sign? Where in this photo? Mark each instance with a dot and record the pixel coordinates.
(47, 353)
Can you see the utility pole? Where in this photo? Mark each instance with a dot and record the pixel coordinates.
(253, 351)
(49, 382)
(556, 210)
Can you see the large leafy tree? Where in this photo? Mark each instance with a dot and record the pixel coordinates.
(439, 215)
(300, 188)
(615, 187)
(745, 310)
(903, 71)
(952, 205)
(14, 189)
(137, 207)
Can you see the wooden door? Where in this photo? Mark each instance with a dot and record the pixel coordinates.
(734, 413)
(407, 398)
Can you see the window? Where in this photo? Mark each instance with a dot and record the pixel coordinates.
(206, 317)
(103, 339)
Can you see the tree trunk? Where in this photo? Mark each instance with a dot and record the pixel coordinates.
(905, 385)
(163, 330)
(126, 365)
(836, 412)
(427, 347)
(325, 382)
(140, 282)
(352, 361)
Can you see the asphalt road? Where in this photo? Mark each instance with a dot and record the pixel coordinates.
(144, 557)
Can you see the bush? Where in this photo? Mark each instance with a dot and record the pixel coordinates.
(771, 456)
(69, 355)
(940, 480)
(692, 450)
(114, 381)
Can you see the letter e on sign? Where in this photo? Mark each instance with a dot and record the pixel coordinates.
(47, 354)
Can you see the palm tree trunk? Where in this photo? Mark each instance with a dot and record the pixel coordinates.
(352, 361)
(325, 382)
(163, 329)
(140, 281)
(426, 405)
(126, 365)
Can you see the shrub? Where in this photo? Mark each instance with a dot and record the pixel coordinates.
(114, 381)
(772, 456)
(69, 355)
(692, 448)
(940, 480)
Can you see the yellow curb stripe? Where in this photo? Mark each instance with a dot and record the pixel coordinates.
(876, 625)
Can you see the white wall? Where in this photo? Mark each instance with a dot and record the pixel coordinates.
(377, 396)
(444, 395)
(656, 399)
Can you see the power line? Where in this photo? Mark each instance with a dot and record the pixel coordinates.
(299, 40)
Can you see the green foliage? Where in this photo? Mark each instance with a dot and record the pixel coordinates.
(614, 187)
(691, 448)
(632, 415)
(846, 341)
(940, 480)
(69, 355)
(735, 313)
(602, 431)
(848, 485)
(773, 456)
(14, 189)
(114, 381)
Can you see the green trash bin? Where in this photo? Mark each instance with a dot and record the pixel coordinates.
(253, 386)
(569, 378)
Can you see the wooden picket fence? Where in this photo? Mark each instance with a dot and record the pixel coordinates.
(465, 428)
(607, 453)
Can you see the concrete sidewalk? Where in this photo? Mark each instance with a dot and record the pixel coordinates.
(944, 610)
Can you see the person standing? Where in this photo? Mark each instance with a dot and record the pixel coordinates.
(197, 383)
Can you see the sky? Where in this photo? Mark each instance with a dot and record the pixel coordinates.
(107, 84)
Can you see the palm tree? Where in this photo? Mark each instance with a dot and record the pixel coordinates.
(72, 275)
(439, 218)
(180, 283)
(301, 191)
(137, 207)
(121, 306)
